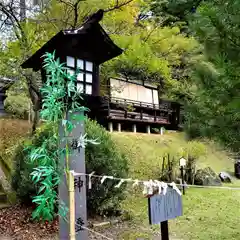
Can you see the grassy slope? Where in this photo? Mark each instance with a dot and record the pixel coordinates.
(11, 132)
(208, 214)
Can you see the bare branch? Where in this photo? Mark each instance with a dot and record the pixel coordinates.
(118, 5)
(149, 35)
(66, 3)
(9, 11)
(76, 15)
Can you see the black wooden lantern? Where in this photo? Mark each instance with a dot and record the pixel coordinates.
(84, 48)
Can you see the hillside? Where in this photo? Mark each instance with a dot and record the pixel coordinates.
(208, 213)
(204, 209)
(145, 152)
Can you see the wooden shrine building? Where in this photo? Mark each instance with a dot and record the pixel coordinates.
(129, 104)
(135, 105)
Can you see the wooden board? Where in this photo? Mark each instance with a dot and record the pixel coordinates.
(164, 207)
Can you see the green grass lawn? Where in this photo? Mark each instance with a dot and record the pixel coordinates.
(207, 213)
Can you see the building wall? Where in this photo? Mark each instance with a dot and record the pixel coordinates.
(133, 91)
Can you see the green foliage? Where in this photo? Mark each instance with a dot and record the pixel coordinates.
(158, 55)
(151, 52)
(12, 131)
(174, 12)
(214, 108)
(102, 158)
(21, 181)
(17, 106)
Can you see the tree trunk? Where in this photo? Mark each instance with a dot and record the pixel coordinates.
(22, 10)
(35, 121)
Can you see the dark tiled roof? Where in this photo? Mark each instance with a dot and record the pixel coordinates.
(90, 41)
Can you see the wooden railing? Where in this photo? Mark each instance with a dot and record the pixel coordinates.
(164, 105)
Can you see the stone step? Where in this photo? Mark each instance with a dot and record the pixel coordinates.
(3, 197)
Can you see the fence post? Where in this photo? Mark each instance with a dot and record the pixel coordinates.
(182, 176)
(163, 166)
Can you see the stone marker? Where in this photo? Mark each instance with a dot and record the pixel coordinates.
(225, 177)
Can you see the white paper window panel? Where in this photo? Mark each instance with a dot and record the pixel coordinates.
(149, 95)
(80, 77)
(155, 97)
(80, 87)
(71, 72)
(114, 85)
(117, 88)
(70, 62)
(125, 91)
(133, 92)
(88, 89)
(141, 93)
(89, 77)
(80, 64)
(89, 66)
(144, 94)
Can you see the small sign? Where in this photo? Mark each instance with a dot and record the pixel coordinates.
(182, 162)
(164, 207)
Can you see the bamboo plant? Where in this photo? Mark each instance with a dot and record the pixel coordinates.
(60, 99)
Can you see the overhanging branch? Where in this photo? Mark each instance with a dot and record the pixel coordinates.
(118, 5)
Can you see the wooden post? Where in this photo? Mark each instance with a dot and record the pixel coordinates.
(161, 130)
(110, 127)
(163, 166)
(71, 205)
(148, 129)
(134, 128)
(164, 230)
(169, 168)
(182, 176)
(119, 127)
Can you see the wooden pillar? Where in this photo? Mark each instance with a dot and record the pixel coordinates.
(148, 129)
(134, 128)
(161, 130)
(119, 127)
(110, 127)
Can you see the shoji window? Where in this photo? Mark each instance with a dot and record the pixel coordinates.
(135, 92)
(85, 76)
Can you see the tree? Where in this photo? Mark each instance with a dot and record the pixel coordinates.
(174, 12)
(214, 109)
(26, 28)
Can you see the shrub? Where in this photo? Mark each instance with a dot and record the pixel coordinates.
(21, 180)
(107, 159)
(12, 131)
(17, 105)
(104, 158)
